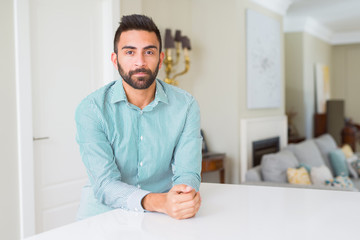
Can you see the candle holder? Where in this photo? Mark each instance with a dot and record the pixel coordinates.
(172, 44)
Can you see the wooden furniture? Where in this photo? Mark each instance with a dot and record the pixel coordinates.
(319, 124)
(334, 123)
(214, 162)
(350, 134)
(230, 211)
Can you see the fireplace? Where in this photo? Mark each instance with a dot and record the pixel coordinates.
(262, 147)
(258, 129)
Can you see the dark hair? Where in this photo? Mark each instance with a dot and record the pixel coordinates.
(136, 22)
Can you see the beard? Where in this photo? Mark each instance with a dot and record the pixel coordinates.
(139, 82)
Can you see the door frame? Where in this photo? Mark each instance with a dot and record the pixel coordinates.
(110, 17)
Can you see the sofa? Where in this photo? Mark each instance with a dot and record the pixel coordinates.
(319, 163)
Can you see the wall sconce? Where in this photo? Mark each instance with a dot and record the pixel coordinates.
(172, 44)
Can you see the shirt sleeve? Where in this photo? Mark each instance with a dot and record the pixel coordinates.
(187, 154)
(98, 158)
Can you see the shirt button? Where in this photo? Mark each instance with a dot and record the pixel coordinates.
(141, 163)
(141, 112)
(141, 138)
(138, 186)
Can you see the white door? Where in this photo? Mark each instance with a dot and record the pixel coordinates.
(68, 62)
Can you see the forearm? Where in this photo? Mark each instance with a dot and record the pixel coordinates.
(187, 156)
(117, 194)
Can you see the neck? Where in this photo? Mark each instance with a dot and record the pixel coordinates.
(140, 97)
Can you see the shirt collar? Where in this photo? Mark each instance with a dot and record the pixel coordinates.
(160, 94)
(119, 93)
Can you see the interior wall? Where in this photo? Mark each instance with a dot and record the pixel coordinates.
(220, 81)
(345, 83)
(316, 51)
(9, 184)
(303, 52)
(294, 75)
(217, 75)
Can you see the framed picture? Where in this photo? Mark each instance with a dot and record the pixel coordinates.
(322, 87)
(264, 71)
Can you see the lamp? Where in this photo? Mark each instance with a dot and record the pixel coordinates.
(175, 44)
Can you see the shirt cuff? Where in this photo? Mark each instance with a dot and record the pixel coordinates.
(134, 200)
(189, 181)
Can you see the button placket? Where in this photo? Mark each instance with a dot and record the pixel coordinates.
(140, 117)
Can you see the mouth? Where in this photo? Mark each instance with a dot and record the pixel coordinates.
(140, 74)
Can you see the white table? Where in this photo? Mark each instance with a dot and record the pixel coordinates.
(233, 212)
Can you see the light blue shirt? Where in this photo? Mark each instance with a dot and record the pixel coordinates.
(129, 152)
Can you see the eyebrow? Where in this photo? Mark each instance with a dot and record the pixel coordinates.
(132, 47)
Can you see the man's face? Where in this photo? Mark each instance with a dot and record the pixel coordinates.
(138, 60)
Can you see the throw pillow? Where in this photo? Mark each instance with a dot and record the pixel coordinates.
(353, 171)
(298, 176)
(274, 166)
(338, 163)
(341, 182)
(307, 152)
(347, 151)
(307, 167)
(356, 165)
(326, 144)
(319, 175)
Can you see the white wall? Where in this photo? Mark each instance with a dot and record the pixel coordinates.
(315, 51)
(9, 201)
(345, 82)
(303, 51)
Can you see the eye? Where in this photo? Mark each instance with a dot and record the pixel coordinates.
(149, 52)
(129, 52)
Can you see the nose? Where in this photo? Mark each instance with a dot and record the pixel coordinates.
(140, 61)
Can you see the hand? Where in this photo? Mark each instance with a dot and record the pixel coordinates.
(180, 202)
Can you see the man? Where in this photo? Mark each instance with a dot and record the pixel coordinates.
(139, 137)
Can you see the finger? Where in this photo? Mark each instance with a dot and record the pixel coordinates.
(188, 213)
(184, 197)
(190, 203)
(188, 189)
(178, 188)
(185, 206)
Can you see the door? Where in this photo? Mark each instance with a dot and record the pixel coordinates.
(68, 61)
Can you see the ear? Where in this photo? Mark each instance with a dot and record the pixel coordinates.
(162, 55)
(114, 60)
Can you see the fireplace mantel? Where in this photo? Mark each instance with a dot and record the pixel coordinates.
(255, 129)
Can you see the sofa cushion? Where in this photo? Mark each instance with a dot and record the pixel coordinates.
(319, 175)
(254, 174)
(307, 167)
(347, 150)
(338, 163)
(356, 183)
(308, 153)
(275, 165)
(298, 176)
(341, 182)
(356, 165)
(326, 144)
(352, 171)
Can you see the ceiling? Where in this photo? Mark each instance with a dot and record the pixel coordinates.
(338, 16)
